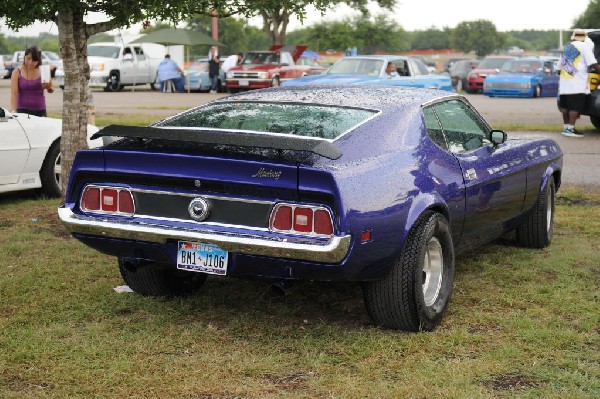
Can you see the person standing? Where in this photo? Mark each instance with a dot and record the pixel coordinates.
(573, 86)
(213, 69)
(27, 89)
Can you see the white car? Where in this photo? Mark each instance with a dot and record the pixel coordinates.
(30, 152)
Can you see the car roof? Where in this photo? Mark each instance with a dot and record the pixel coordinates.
(360, 96)
(385, 57)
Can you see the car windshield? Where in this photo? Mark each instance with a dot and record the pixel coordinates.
(104, 51)
(492, 63)
(357, 66)
(261, 58)
(308, 120)
(522, 66)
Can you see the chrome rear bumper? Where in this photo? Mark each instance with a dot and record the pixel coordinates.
(333, 250)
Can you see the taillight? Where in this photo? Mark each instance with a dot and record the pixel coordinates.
(310, 220)
(108, 200)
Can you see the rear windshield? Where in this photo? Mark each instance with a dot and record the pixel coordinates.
(326, 122)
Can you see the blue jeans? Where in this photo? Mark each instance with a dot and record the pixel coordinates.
(177, 82)
(214, 82)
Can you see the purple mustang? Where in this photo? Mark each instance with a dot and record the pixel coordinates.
(381, 186)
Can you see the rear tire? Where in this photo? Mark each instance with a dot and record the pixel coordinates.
(537, 228)
(50, 173)
(156, 279)
(416, 292)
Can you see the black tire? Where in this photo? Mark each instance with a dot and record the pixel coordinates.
(156, 279)
(275, 81)
(537, 228)
(416, 292)
(595, 121)
(114, 82)
(537, 91)
(51, 171)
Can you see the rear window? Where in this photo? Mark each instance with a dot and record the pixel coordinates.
(326, 122)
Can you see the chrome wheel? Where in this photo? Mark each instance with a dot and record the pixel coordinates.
(58, 171)
(433, 269)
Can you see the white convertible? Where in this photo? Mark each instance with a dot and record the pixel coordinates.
(30, 152)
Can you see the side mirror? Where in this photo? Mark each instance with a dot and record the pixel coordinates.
(498, 137)
(128, 57)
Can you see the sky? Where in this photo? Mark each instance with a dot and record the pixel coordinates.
(422, 14)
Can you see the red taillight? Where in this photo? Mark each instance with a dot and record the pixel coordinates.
(91, 199)
(110, 200)
(126, 202)
(107, 200)
(301, 219)
(282, 218)
(323, 222)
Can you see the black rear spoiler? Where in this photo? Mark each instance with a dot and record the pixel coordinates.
(238, 138)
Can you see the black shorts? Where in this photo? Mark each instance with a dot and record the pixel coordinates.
(572, 102)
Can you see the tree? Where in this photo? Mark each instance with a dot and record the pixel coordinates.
(431, 38)
(276, 14)
(236, 34)
(479, 36)
(74, 32)
(590, 17)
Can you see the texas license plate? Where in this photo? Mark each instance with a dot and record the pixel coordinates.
(200, 257)
(244, 83)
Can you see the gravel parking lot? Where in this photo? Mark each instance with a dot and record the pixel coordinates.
(582, 155)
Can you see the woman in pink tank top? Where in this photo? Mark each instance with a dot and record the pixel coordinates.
(27, 89)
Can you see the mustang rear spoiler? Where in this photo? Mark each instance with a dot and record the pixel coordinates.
(238, 138)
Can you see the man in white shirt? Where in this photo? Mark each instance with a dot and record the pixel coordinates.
(574, 87)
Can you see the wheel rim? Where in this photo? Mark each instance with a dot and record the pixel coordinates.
(433, 268)
(58, 171)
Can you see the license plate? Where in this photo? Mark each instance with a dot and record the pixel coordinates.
(244, 83)
(200, 257)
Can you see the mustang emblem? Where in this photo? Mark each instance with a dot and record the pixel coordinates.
(198, 209)
(270, 174)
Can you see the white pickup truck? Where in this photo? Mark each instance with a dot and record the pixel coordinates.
(114, 66)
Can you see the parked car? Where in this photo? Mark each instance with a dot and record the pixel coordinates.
(4, 73)
(488, 66)
(196, 76)
(523, 77)
(381, 186)
(370, 69)
(262, 69)
(459, 71)
(30, 152)
(314, 67)
(6, 60)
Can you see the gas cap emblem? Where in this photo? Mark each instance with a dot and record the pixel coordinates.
(198, 209)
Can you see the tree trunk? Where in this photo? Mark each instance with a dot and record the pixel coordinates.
(275, 24)
(73, 47)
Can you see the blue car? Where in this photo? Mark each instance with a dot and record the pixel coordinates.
(372, 184)
(370, 70)
(523, 77)
(196, 77)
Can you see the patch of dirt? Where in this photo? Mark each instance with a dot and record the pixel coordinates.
(513, 382)
(290, 382)
(567, 201)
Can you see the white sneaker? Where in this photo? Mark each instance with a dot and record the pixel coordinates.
(571, 133)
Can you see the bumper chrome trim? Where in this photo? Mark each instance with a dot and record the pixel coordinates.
(305, 249)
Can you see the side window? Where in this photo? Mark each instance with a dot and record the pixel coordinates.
(464, 129)
(401, 67)
(140, 54)
(434, 130)
(418, 68)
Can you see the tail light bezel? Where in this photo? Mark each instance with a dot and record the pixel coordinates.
(293, 230)
(101, 211)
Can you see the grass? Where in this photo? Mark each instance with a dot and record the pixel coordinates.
(522, 323)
